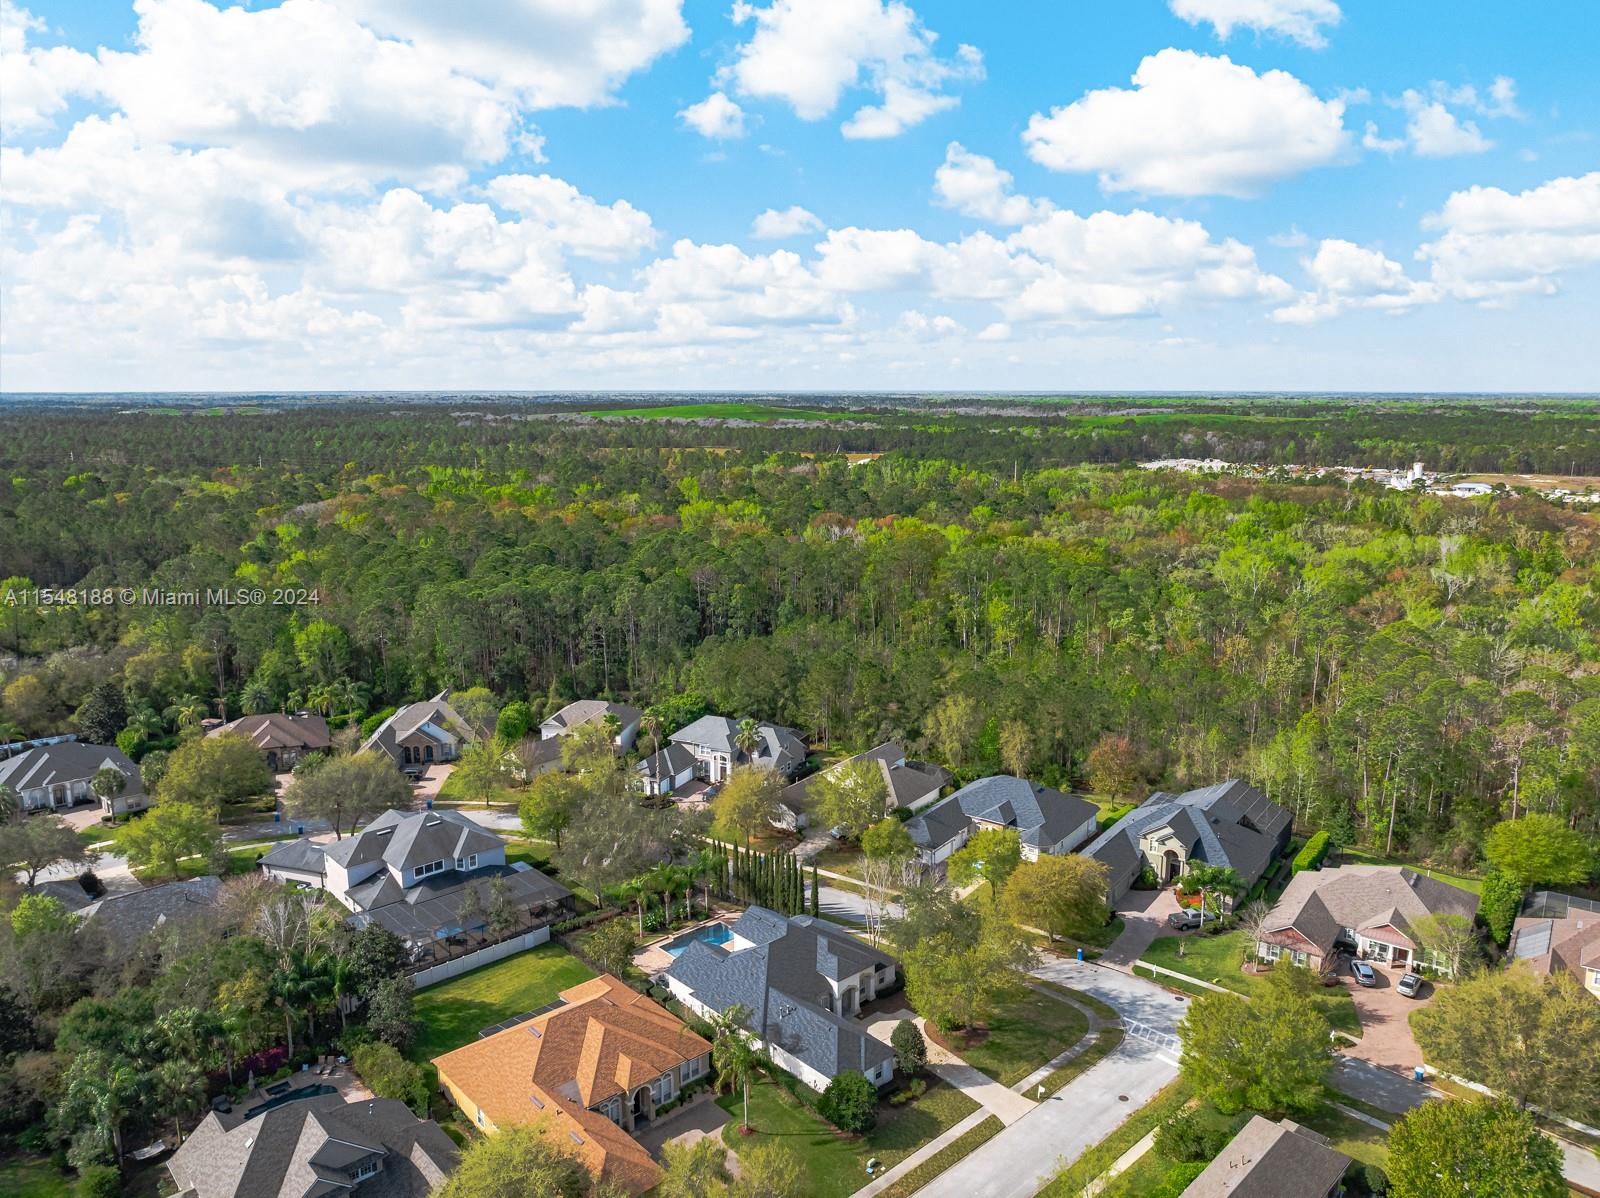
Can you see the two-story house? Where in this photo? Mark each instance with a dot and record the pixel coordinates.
(907, 784)
(804, 983)
(1046, 820)
(593, 1071)
(713, 741)
(60, 776)
(588, 711)
(422, 874)
(420, 734)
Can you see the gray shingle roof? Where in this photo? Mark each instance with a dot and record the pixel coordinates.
(407, 839)
(305, 855)
(782, 980)
(667, 763)
(70, 761)
(310, 1146)
(437, 711)
(433, 907)
(584, 710)
(123, 918)
(1041, 815)
(1271, 1160)
(780, 748)
(907, 781)
(1318, 903)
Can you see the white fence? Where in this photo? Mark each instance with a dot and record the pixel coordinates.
(483, 956)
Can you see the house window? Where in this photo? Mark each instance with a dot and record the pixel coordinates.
(368, 1169)
(1298, 957)
(663, 1089)
(433, 867)
(470, 861)
(691, 1069)
(1272, 952)
(480, 1116)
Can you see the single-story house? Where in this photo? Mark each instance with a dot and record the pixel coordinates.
(1230, 824)
(422, 733)
(1272, 1160)
(586, 711)
(1371, 909)
(416, 873)
(670, 769)
(909, 784)
(1570, 943)
(57, 777)
(283, 739)
(804, 982)
(1047, 820)
(317, 1145)
(125, 917)
(713, 741)
(595, 1069)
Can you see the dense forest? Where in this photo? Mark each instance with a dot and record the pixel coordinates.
(1400, 668)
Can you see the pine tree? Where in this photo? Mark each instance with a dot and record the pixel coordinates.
(816, 892)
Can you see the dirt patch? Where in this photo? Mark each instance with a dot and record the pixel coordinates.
(957, 1042)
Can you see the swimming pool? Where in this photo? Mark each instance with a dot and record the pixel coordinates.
(293, 1095)
(711, 933)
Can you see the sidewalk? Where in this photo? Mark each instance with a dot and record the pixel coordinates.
(884, 1180)
(1007, 1105)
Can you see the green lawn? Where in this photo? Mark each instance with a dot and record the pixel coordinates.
(450, 1014)
(720, 411)
(1071, 1180)
(240, 861)
(1217, 959)
(31, 1177)
(1351, 1136)
(1026, 1031)
(836, 1165)
(1373, 857)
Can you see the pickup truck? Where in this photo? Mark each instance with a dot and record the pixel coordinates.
(1185, 921)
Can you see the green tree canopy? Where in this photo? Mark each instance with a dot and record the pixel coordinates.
(346, 790)
(209, 771)
(1539, 850)
(990, 855)
(1062, 895)
(1470, 1149)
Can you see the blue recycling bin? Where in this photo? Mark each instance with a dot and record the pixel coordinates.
(430, 804)
(1419, 1074)
(299, 829)
(1080, 954)
(277, 817)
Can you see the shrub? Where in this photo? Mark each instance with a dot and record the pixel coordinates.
(1502, 900)
(370, 724)
(130, 742)
(1147, 880)
(99, 1181)
(392, 1076)
(1185, 1137)
(910, 1092)
(850, 1102)
(1370, 1179)
(910, 1049)
(1314, 853)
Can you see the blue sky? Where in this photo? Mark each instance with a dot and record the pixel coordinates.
(1146, 194)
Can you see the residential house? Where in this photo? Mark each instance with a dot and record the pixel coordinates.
(804, 982)
(419, 874)
(123, 919)
(57, 777)
(283, 739)
(1230, 824)
(712, 739)
(586, 711)
(594, 1069)
(420, 734)
(316, 1145)
(1569, 943)
(1047, 820)
(1372, 910)
(908, 784)
(668, 770)
(1272, 1160)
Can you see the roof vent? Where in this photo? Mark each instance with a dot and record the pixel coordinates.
(576, 1138)
(534, 1099)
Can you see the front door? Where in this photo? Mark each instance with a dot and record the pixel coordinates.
(1170, 866)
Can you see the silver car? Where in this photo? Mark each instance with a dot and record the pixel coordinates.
(1410, 985)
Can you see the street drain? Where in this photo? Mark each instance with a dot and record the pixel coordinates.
(1122, 1098)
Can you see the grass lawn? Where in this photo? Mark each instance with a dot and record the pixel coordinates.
(840, 860)
(1071, 1180)
(720, 411)
(32, 1177)
(1217, 959)
(1373, 857)
(450, 1014)
(836, 1165)
(767, 839)
(240, 861)
(1351, 1136)
(451, 791)
(1027, 1030)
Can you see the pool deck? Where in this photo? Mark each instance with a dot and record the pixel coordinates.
(654, 958)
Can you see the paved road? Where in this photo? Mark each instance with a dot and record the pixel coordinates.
(1019, 1160)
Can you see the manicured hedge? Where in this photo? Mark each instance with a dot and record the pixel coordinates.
(1315, 852)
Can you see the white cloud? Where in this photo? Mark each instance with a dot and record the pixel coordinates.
(1192, 125)
(794, 221)
(1301, 20)
(1495, 244)
(716, 116)
(38, 81)
(1435, 132)
(807, 53)
(1434, 129)
(1347, 275)
(572, 219)
(975, 186)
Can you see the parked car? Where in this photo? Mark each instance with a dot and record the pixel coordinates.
(1185, 921)
(1365, 974)
(1410, 985)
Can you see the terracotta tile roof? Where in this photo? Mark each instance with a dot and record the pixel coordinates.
(605, 1039)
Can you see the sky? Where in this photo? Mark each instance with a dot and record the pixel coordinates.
(792, 195)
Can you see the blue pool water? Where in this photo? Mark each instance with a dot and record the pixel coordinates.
(717, 933)
(292, 1096)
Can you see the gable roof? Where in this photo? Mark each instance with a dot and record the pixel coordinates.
(1229, 824)
(278, 730)
(407, 839)
(308, 1148)
(906, 781)
(1042, 816)
(1571, 943)
(666, 763)
(1381, 900)
(434, 905)
(69, 761)
(125, 917)
(779, 748)
(583, 710)
(603, 1041)
(435, 717)
(305, 855)
(1271, 1160)
(782, 979)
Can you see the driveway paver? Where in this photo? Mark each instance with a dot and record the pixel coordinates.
(1386, 1037)
(1144, 917)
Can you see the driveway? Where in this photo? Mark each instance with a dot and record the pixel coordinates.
(1144, 917)
(1019, 1160)
(1386, 1037)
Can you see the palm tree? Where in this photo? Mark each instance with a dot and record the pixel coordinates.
(181, 1090)
(320, 698)
(256, 698)
(652, 726)
(706, 867)
(186, 711)
(738, 1061)
(1213, 879)
(748, 737)
(634, 891)
(348, 696)
(146, 721)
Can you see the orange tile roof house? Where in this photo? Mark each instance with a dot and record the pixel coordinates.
(593, 1069)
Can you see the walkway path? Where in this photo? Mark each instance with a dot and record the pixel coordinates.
(1006, 1105)
(1027, 1085)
